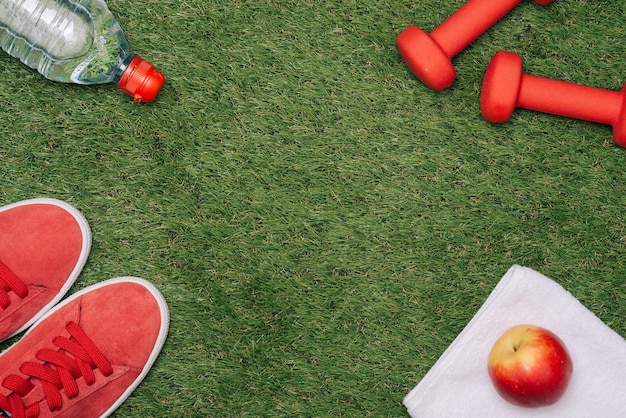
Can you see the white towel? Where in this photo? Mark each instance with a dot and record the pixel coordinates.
(458, 385)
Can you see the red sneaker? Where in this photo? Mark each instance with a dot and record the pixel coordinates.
(44, 244)
(86, 355)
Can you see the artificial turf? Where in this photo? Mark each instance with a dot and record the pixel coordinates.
(322, 224)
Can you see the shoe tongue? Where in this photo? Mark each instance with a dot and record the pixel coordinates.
(35, 396)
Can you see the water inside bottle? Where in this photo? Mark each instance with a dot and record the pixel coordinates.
(65, 41)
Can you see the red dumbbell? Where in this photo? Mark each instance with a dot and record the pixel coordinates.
(505, 87)
(429, 56)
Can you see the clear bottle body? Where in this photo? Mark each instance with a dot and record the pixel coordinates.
(68, 41)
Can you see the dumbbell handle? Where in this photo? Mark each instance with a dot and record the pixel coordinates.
(570, 100)
(469, 22)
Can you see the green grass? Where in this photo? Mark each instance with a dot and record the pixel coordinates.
(321, 224)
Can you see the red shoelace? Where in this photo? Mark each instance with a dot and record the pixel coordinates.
(10, 282)
(56, 370)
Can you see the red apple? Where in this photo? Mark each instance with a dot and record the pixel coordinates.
(530, 366)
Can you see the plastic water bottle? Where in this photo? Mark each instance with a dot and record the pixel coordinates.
(75, 42)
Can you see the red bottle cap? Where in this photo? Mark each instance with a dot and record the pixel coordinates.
(141, 80)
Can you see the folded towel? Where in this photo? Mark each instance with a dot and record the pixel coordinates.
(458, 385)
